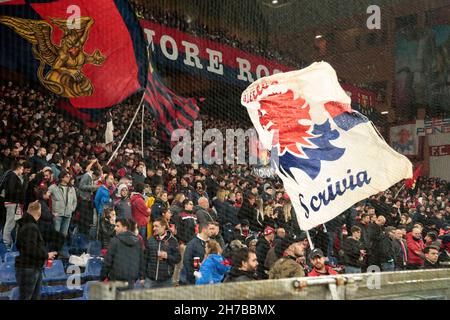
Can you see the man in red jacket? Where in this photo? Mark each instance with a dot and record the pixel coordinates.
(318, 261)
(415, 249)
(139, 210)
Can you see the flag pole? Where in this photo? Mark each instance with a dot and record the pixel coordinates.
(311, 244)
(403, 187)
(142, 131)
(128, 130)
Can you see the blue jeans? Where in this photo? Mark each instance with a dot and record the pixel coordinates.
(29, 283)
(388, 266)
(62, 224)
(152, 284)
(350, 269)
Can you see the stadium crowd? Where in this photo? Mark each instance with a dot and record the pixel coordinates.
(163, 225)
(182, 22)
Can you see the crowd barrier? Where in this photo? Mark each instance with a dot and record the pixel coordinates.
(403, 285)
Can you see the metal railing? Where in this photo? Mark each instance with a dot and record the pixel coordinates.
(405, 285)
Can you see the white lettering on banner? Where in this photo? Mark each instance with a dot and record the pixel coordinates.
(215, 61)
(262, 68)
(192, 58)
(163, 43)
(244, 70)
(439, 151)
(215, 64)
(329, 195)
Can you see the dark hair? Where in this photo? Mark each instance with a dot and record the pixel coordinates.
(355, 229)
(62, 174)
(186, 202)
(204, 225)
(240, 256)
(427, 249)
(139, 187)
(162, 222)
(40, 192)
(17, 165)
(432, 235)
(126, 223)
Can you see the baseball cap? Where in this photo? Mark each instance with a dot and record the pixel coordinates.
(245, 222)
(316, 253)
(269, 230)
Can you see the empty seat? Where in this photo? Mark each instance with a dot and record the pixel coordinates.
(95, 248)
(55, 273)
(7, 274)
(93, 269)
(10, 257)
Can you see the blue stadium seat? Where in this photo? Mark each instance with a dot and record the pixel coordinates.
(8, 274)
(95, 248)
(93, 269)
(79, 244)
(3, 251)
(10, 257)
(55, 273)
(58, 291)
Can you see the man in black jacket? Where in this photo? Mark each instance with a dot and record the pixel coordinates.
(431, 260)
(14, 200)
(354, 251)
(244, 266)
(375, 235)
(33, 254)
(262, 247)
(386, 256)
(194, 253)
(161, 257)
(124, 259)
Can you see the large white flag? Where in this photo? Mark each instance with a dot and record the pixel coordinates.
(328, 156)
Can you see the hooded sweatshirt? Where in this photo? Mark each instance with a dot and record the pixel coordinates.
(124, 259)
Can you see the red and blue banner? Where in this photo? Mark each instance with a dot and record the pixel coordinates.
(92, 53)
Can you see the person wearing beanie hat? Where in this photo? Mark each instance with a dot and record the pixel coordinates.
(289, 265)
(263, 246)
(122, 204)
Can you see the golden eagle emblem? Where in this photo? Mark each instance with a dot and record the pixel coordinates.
(65, 60)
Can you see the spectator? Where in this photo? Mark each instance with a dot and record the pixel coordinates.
(138, 174)
(139, 211)
(386, 255)
(123, 260)
(375, 234)
(39, 161)
(248, 212)
(162, 256)
(415, 249)
(289, 265)
(107, 227)
(320, 268)
(244, 266)
(263, 246)
(431, 257)
(444, 257)
(177, 205)
(400, 251)
(186, 224)
(103, 196)
(33, 254)
(199, 192)
(14, 192)
(195, 253)
(204, 214)
(160, 204)
(64, 202)
(87, 187)
(216, 236)
(122, 205)
(214, 267)
(354, 252)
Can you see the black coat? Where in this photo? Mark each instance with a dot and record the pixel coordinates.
(14, 189)
(385, 250)
(124, 259)
(429, 265)
(161, 270)
(30, 244)
(106, 232)
(352, 253)
(398, 253)
(262, 247)
(249, 212)
(237, 275)
(195, 248)
(185, 224)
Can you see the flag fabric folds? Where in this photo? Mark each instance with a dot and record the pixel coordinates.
(328, 156)
(171, 111)
(411, 183)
